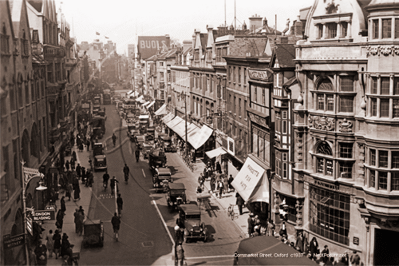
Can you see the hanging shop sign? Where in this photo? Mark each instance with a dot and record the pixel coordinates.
(14, 241)
(230, 146)
(43, 215)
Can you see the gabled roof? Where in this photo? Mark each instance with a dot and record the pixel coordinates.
(171, 53)
(204, 38)
(187, 50)
(290, 82)
(285, 54)
(19, 9)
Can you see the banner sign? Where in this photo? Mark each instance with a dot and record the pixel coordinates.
(149, 45)
(30, 173)
(43, 215)
(14, 241)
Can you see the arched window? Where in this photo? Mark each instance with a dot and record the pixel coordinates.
(324, 162)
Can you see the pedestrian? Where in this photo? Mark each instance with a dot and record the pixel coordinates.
(76, 193)
(115, 221)
(112, 184)
(83, 174)
(64, 245)
(177, 233)
(283, 230)
(60, 220)
(355, 259)
(325, 254)
(72, 140)
(73, 163)
(221, 188)
(82, 211)
(250, 224)
(271, 226)
(179, 255)
(79, 170)
(88, 145)
(50, 243)
(41, 253)
(299, 242)
(226, 185)
(81, 146)
(67, 165)
(137, 153)
(239, 202)
(76, 219)
(69, 191)
(62, 201)
(119, 202)
(105, 179)
(218, 168)
(81, 222)
(229, 183)
(69, 255)
(74, 156)
(314, 248)
(113, 139)
(213, 182)
(57, 243)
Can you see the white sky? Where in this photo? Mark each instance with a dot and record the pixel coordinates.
(123, 20)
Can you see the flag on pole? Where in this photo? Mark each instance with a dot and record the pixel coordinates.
(97, 33)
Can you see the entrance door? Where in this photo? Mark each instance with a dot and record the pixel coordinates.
(386, 247)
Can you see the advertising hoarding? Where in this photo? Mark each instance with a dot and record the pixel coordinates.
(149, 45)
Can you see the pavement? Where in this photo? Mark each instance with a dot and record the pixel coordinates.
(69, 225)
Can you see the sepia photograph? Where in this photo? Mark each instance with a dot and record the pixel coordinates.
(212, 132)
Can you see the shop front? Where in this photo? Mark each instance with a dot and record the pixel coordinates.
(253, 185)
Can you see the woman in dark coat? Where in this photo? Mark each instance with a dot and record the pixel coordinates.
(63, 206)
(314, 247)
(60, 220)
(76, 192)
(67, 165)
(64, 245)
(57, 243)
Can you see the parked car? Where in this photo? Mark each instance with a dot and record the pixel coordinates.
(176, 195)
(161, 179)
(93, 233)
(167, 142)
(146, 148)
(100, 162)
(140, 140)
(190, 220)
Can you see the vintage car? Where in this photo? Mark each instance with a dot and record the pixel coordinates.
(190, 220)
(93, 233)
(161, 179)
(156, 158)
(176, 195)
(140, 140)
(166, 142)
(146, 148)
(100, 162)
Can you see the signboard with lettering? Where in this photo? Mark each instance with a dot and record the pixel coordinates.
(326, 185)
(149, 45)
(51, 52)
(248, 178)
(355, 240)
(43, 215)
(14, 241)
(263, 75)
(230, 146)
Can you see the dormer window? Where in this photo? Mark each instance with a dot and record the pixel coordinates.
(344, 29)
(332, 30)
(319, 31)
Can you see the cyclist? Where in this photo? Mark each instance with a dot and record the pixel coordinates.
(114, 139)
(126, 171)
(105, 179)
(113, 183)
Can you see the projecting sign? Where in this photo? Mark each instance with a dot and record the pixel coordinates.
(14, 241)
(43, 215)
(149, 45)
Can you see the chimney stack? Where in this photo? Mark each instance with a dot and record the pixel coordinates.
(298, 27)
(255, 22)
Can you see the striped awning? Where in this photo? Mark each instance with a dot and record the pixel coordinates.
(151, 104)
(192, 129)
(216, 152)
(180, 128)
(174, 122)
(201, 137)
(168, 117)
(162, 110)
(146, 103)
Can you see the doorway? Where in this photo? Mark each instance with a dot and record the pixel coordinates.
(385, 247)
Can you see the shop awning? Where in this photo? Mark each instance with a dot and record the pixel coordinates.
(174, 122)
(248, 182)
(201, 137)
(191, 130)
(151, 104)
(180, 128)
(215, 153)
(250, 248)
(146, 103)
(167, 118)
(144, 117)
(162, 110)
(139, 98)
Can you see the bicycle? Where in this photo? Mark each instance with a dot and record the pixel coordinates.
(230, 212)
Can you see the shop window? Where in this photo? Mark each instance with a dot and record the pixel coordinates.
(386, 28)
(346, 83)
(291, 210)
(395, 181)
(376, 29)
(346, 104)
(329, 214)
(383, 159)
(382, 180)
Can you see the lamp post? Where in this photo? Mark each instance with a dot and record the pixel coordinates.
(31, 173)
(185, 115)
